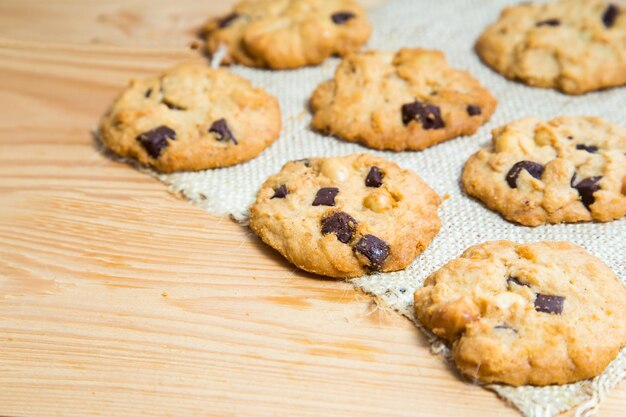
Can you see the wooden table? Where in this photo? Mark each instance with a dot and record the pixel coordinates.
(120, 299)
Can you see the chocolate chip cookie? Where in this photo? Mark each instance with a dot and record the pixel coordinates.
(190, 118)
(283, 34)
(348, 216)
(569, 169)
(408, 100)
(574, 46)
(541, 313)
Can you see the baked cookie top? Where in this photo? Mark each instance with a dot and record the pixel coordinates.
(284, 34)
(347, 216)
(569, 169)
(189, 118)
(574, 46)
(408, 100)
(541, 313)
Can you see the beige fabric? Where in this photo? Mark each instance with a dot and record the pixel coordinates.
(451, 26)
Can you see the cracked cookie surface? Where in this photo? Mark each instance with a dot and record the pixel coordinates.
(540, 313)
(282, 34)
(346, 216)
(190, 118)
(575, 46)
(568, 169)
(408, 100)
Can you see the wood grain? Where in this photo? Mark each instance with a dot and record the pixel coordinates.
(120, 299)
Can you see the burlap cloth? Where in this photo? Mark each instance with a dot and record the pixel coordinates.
(451, 26)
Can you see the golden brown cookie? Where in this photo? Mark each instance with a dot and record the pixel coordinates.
(284, 34)
(347, 216)
(541, 313)
(574, 46)
(569, 169)
(190, 118)
(408, 100)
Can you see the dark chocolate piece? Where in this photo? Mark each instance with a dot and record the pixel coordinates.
(552, 304)
(610, 15)
(428, 115)
(171, 105)
(586, 188)
(588, 148)
(341, 224)
(473, 110)
(531, 167)
(220, 128)
(340, 18)
(374, 249)
(549, 22)
(374, 178)
(155, 140)
(326, 196)
(280, 192)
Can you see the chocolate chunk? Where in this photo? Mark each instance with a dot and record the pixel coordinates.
(516, 281)
(552, 304)
(549, 22)
(171, 105)
(227, 20)
(326, 196)
(374, 178)
(280, 192)
(340, 18)
(586, 188)
(148, 92)
(531, 167)
(473, 110)
(428, 115)
(610, 15)
(374, 249)
(155, 140)
(220, 128)
(588, 148)
(341, 224)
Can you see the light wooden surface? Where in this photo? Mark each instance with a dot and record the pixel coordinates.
(119, 299)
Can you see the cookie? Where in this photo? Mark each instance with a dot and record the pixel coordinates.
(284, 34)
(569, 169)
(348, 216)
(190, 118)
(408, 100)
(541, 313)
(575, 46)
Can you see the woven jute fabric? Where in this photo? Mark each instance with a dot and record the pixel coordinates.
(451, 26)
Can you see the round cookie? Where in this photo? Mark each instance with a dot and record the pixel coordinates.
(344, 217)
(408, 100)
(283, 34)
(541, 313)
(190, 118)
(575, 46)
(569, 169)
